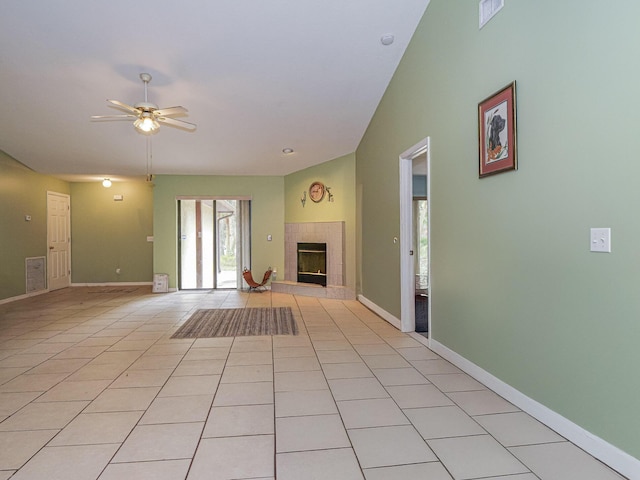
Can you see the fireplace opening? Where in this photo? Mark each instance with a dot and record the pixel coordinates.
(312, 263)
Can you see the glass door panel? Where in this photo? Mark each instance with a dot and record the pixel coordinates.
(196, 244)
(227, 241)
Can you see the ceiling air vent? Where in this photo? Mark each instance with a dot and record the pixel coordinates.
(488, 8)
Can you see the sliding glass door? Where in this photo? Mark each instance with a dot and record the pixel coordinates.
(214, 239)
(226, 260)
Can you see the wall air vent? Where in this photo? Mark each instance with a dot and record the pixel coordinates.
(36, 274)
(488, 8)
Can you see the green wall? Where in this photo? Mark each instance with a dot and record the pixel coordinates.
(267, 216)
(107, 234)
(339, 175)
(514, 287)
(22, 192)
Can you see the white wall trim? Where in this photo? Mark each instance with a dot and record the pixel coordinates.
(407, 278)
(380, 312)
(407, 274)
(112, 284)
(22, 297)
(421, 338)
(106, 284)
(594, 445)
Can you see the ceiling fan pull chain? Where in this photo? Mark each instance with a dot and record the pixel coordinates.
(149, 160)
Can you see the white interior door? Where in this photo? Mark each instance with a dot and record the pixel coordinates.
(58, 240)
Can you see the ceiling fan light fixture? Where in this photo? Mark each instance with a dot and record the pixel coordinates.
(146, 124)
(147, 115)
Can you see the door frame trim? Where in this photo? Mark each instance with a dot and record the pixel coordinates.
(407, 274)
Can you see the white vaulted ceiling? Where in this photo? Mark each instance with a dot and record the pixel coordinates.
(257, 76)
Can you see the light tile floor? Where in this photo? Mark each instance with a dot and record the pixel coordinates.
(92, 387)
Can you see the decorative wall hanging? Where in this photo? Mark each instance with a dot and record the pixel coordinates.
(329, 194)
(497, 132)
(317, 191)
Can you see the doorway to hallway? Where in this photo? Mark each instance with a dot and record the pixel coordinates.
(213, 242)
(421, 253)
(415, 228)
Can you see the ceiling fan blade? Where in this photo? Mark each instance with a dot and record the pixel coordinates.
(174, 122)
(124, 106)
(112, 117)
(170, 111)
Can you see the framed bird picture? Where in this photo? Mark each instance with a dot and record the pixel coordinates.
(497, 132)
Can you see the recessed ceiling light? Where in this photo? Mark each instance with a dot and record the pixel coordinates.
(287, 151)
(387, 39)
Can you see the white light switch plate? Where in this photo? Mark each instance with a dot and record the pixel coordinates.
(601, 240)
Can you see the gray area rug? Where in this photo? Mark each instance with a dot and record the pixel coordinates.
(238, 322)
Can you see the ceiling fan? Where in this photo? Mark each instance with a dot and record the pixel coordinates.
(148, 116)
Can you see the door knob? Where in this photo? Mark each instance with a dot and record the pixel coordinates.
(51, 248)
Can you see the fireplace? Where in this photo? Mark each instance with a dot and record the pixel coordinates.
(312, 263)
(331, 235)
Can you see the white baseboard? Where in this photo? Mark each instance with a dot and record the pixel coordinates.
(592, 444)
(380, 312)
(106, 284)
(22, 297)
(597, 447)
(112, 284)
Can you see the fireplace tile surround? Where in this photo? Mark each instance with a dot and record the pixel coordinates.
(331, 233)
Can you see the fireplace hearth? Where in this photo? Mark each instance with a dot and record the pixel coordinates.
(312, 263)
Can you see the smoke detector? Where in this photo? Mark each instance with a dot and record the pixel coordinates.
(387, 39)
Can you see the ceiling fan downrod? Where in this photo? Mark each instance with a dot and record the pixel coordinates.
(146, 78)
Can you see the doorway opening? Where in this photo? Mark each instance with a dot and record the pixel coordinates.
(415, 270)
(421, 254)
(214, 242)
